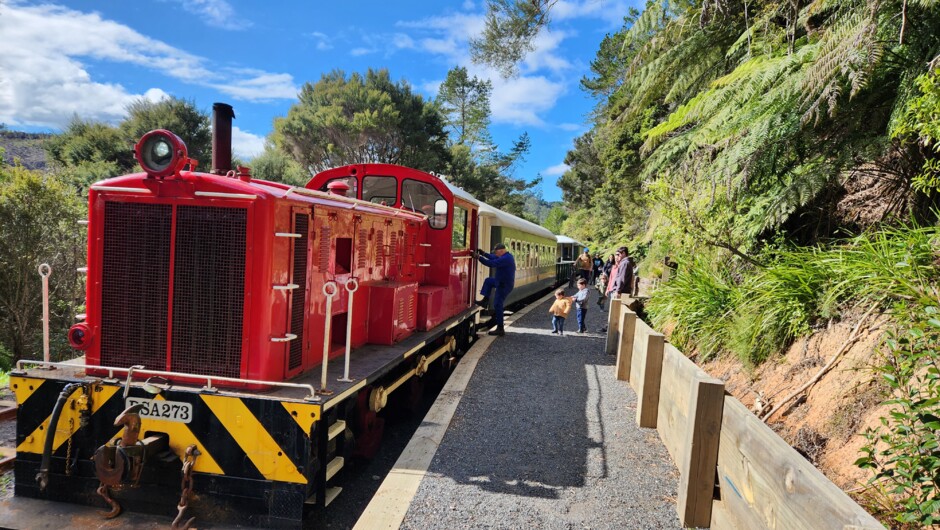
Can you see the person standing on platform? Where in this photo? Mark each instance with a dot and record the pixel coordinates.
(503, 262)
(559, 311)
(580, 300)
(585, 265)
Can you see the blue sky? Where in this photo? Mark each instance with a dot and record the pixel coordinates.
(92, 58)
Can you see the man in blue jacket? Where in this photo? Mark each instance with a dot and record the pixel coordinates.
(503, 281)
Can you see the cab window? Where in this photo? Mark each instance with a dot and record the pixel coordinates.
(459, 237)
(380, 190)
(352, 182)
(424, 198)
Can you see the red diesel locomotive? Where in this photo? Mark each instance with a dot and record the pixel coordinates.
(241, 335)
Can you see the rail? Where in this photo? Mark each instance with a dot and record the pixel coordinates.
(762, 482)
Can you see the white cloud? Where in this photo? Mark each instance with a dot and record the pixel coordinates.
(519, 100)
(216, 13)
(245, 144)
(522, 99)
(356, 52)
(45, 78)
(323, 41)
(556, 170)
(571, 127)
(256, 85)
(610, 11)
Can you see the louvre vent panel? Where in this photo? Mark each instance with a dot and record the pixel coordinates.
(135, 290)
(380, 248)
(363, 245)
(298, 295)
(393, 250)
(326, 237)
(209, 290)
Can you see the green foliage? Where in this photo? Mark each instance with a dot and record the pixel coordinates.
(585, 174)
(921, 126)
(89, 151)
(509, 31)
(556, 218)
(763, 309)
(38, 224)
(465, 103)
(362, 119)
(905, 453)
(179, 116)
(275, 165)
(699, 301)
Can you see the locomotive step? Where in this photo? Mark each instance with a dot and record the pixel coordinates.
(336, 429)
(334, 466)
(331, 494)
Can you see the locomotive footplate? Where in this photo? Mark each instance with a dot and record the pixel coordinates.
(264, 456)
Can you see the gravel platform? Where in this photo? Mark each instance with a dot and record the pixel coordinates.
(546, 437)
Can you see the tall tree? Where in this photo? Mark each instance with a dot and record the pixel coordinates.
(465, 102)
(180, 116)
(340, 120)
(585, 174)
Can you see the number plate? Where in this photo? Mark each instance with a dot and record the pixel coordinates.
(163, 410)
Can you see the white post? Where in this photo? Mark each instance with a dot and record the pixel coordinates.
(349, 321)
(45, 270)
(328, 320)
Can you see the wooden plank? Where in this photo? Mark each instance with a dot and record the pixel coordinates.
(673, 420)
(8, 413)
(640, 340)
(613, 325)
(699, 453)
(625, 347)
(765, 483)
(648, 381)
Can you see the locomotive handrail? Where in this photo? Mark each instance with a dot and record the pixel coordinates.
(349, 321)
(288, 287)
(122, 189)
(350, 200)
(20, 366)
(327, 324)
(224, 195)
(287, 234)
(286, 338)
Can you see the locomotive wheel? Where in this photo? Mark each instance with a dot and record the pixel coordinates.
(369, 427)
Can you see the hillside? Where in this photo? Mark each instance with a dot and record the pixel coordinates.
(27, 148)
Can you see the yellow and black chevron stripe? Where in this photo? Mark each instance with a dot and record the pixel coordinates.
(239, 437)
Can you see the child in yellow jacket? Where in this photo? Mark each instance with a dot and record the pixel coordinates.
(559, 312)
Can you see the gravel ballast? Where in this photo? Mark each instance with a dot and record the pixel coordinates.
(546, 437)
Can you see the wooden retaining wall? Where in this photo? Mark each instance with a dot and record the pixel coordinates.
(734, 471)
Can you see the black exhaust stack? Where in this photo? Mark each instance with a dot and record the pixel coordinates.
(222, 116)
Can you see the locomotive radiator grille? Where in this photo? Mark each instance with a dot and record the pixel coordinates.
(135, 290)
(298, 295)
(209, 290)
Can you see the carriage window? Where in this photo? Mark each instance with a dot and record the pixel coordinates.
(459, 237)
(352, 182)
(380, 190)
(423, 198)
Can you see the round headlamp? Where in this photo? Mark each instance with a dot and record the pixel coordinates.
(161, 153)
(80, 336)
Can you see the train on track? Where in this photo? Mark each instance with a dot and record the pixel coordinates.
(242, 337)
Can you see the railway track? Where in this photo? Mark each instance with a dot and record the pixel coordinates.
(7, 454)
